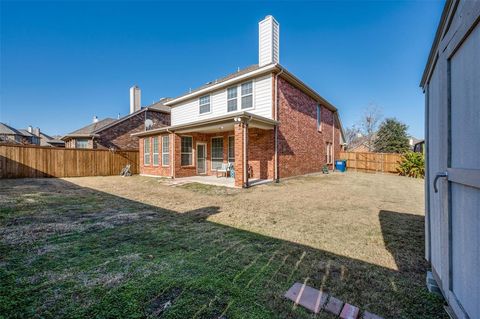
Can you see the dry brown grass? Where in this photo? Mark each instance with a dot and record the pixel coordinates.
(112, 246)
(338, 213)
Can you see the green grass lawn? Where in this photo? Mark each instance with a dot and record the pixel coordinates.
(68, 250)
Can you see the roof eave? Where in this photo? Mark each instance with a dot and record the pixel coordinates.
(433, 50)
(243, 77)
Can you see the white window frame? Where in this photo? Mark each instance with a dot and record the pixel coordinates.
(200, 104)
(155, 138)
(211, 152)
(228, 150)
(167, 152)
(252, 94)
(233, 99)
(191, 152)
(319, 117)
(145, 153)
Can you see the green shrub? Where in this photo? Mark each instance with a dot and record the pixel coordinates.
(412, 165)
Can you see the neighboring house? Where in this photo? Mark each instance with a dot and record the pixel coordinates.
(451, 82)
(11, 135)
(47, 140)
(117, 134)
(359, 145)
(419, 146)
(412, 141)
(262, 119)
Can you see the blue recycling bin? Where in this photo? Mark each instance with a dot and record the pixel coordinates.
(341, 165)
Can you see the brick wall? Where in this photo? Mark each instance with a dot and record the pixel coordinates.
(119, 136)
(261, 153)
(301, 147)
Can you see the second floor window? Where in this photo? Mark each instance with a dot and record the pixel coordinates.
(319, 118)
(204, 102)
(232, 99)
(247, 95)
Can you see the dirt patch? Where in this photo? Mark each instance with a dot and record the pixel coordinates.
(158, 305)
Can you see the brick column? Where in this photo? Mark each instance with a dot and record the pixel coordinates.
(241, 157)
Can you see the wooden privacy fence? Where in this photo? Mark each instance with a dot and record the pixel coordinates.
(18, 161)
(371, 162)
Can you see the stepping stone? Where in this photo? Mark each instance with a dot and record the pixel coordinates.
(308, 297)
(334, 306)
(349, 312)
(369, 315)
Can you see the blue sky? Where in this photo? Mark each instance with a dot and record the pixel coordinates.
(63, 62)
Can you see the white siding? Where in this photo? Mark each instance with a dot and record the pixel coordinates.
(188, 111)
(268, 41)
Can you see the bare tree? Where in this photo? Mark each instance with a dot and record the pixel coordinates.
(369, 124)
(352, 134)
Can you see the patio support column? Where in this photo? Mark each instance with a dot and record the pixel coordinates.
(241, 153)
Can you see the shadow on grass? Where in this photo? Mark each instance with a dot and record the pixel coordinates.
(68, 251)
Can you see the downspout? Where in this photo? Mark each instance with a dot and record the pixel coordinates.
(276, 127)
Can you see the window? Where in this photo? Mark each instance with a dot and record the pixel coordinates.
(186, 151)
(165, 150)
(155, 151)
(329, 153)
(146, 151)
(231, 149)
(217, 152)
(204, 102)
(81, 143)
(319, 118)
(232, 99)
(247, 95)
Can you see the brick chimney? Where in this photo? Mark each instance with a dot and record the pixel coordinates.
(268, 41)
(135, 99)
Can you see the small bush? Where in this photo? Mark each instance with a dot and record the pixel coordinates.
(412, 165)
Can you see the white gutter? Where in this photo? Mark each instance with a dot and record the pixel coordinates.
(256, 72)
(276, 127)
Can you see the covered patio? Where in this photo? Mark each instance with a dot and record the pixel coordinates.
(239, 146)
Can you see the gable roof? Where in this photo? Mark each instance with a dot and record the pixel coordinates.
(247, 73)
(90, 129)
(25, 133)
(95, 128)
(8, 130)
(46, 140)
(230, 76)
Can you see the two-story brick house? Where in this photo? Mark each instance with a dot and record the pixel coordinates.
(262, 119)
